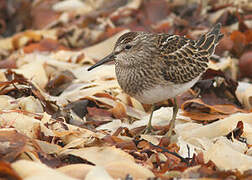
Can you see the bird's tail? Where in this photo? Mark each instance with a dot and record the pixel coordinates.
(208, 41)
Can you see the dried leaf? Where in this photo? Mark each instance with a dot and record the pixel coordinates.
(7, 172)
(245, 64)
(239, 40)
(198, 110)
(53, 111)
(59, 83)
(119, 111)
(13, 144)
(225, 157)
(44, 45)
(28, 169)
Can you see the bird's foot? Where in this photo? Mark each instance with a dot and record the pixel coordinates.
(169, 133)
(171, 128)
(147, 130)
(172, 122)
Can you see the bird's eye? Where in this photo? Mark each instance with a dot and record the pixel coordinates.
(128, 46)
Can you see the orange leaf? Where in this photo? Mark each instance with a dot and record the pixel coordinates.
(238, 36)
(32, 36)
(119, 111)
(239, 40)
(7, 172)
(248, 35)
(94, 111)
(204, 116)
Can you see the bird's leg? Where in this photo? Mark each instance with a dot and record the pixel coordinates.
(149, 127)
(172, 122)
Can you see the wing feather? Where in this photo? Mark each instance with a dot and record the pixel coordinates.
(186, 59)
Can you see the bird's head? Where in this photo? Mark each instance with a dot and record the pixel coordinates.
(130, 49)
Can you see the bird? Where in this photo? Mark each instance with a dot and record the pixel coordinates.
(153, 67)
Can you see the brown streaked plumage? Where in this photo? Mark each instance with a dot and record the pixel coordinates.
(155, 67)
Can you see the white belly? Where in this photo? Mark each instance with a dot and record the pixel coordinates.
(161, 93)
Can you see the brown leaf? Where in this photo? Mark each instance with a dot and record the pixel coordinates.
(217, 101)
(8, 63)
(15, 16)
(94, 111)
(198, 110)
(245, 64)
(13, 77)
(44, 45)
(60, 82)
(204, 116)
(43, 14)
(226, 44)
(237, 132)
(7, 172)
(248, 35)
(119, 111)
(242, 25)
(149, 14)
(105, 95)
(15, 144)
(239, 40)
(151, 10)
(79, 107)
(217, 88)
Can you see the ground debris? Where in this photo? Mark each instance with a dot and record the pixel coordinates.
(57, 120)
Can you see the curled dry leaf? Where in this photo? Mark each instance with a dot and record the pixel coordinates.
(215, 129)
(59, 83)
(198, 110)
(217, 97)
(119, 111)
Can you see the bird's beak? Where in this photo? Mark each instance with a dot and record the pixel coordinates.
(108, 58)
